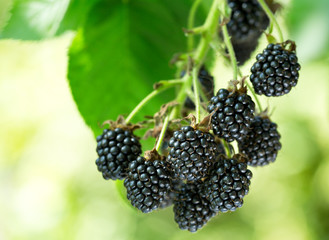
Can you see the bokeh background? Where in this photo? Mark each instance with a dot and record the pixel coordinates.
(49, 185)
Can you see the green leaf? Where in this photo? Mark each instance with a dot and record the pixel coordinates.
(123, 48)
(5, 6)
(75, 15)
(35, 19)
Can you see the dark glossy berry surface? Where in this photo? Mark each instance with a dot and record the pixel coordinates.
(147, 184)
(247, 17)
(207, 85)
(191, 210)
(191, 153)
(247, 23)
(275, 72)
(115, 149)
(232, 114)
(262, 143)
(228, 184)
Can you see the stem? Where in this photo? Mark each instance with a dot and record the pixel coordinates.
(272, 18)
(163, 132)
(181, 95)
(230, 49)
(190, 25)
(255, 96)
(253, 93)
(196, 94)
(210, 27)
(164, 85)
(227, 148)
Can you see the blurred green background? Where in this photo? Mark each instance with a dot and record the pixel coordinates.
(49, 185)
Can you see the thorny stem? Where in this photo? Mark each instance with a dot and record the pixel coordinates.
(196, 94)
(255, 96)
(230, 49)
(253, 93)
(163, 132)
(190, 24)
(164, 85)
(236, 70)
(272, 18)
(210, 27)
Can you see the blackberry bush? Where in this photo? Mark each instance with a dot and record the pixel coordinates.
(232, 112)
(192, 210)
(147, 184)
(276, 71)
(228, 184)
(191, 153)
(262, 143)
(115, 149)
(199, 172)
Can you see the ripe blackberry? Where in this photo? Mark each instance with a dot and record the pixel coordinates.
(247, 17)
(248, 21)
(228, 184)
(207, 86)
(262, 143)
(191, 153)
(233, 112)
(147, 183)
(116, 148)
(191, 209)
(275, 72)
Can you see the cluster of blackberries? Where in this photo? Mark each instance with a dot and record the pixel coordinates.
(195, 173)
(197, 177)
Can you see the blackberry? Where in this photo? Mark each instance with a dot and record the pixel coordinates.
(233, 112)
(191, 153)
(228, 184)
(207, 86)
(115, 149)
(275, 72)
(247, 17)
(262, 143)
(191, 210)
(247, 23)
(147, 183)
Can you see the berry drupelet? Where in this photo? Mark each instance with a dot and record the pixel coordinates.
(115, 149)
(147, 184)
(262, 143)
(232, 112)
(192, 210)
(276, 71)
(191, 153)
(228, 184)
